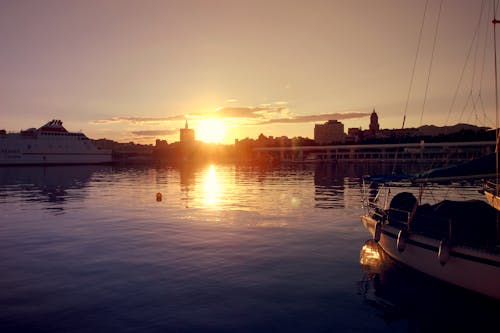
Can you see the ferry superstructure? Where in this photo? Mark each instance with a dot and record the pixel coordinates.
(49, 144)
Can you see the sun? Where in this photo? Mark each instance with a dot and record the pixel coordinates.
(211, 130)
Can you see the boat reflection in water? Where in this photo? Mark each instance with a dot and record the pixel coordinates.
(403, 296)
(53, 185)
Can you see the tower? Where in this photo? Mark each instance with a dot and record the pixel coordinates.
(374, 126)
(187, 134)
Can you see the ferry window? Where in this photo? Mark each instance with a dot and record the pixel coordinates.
(29, 147)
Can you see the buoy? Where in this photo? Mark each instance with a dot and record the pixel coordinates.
(401, 243)
(158, 196)
(377, 231)
(444, 252)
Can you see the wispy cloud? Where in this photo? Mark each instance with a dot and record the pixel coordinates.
(246, 111)
(315, 117)
(156, 132)
(264, 114)
(138, 120)
(251, 112)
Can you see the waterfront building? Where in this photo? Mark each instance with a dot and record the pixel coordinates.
(161, 143)
(186, 134)
(330, 132)
(354, 135)
(422, 152)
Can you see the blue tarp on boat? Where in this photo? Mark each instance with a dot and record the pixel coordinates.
(477, 168)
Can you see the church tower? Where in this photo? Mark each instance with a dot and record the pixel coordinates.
(187, 134)
(374, 126)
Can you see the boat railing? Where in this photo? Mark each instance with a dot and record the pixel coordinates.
(491, 186)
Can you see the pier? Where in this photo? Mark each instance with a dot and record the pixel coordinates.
(404, 152)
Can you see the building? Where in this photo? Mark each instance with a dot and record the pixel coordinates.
(374, 126)
(354, 135)
(187, 134)
(161, 143)
(330, 132)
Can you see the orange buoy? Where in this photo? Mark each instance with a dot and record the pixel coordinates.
(158, 196)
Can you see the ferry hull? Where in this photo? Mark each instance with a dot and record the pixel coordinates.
(50, 144)
(466, 267)
(55, 158)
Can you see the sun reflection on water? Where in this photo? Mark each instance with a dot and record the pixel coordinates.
(212, 187)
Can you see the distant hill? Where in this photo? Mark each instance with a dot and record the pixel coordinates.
(431, 130)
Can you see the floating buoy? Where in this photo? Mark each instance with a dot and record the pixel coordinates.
(444, 252)
(377, 231)
(401, 243)
(158, 196)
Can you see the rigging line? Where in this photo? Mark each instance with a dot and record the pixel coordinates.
(432, 58)
(473, 79)
(486, 120)
(412, 76)
(476, 49)
(475, 107)
(485, 48)
(474, 69)
(475, 112)
(465, 106)
(463, 70)
(415, 63)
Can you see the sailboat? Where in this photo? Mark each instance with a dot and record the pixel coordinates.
(491, 189)
(454, 241)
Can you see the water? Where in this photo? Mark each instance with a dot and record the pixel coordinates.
(90, 249)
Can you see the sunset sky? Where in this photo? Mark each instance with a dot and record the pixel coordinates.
(135, 70)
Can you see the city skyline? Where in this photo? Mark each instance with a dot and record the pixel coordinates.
(135, 71)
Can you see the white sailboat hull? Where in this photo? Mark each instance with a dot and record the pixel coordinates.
(470, 268)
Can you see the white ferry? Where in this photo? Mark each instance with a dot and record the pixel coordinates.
(49, 144)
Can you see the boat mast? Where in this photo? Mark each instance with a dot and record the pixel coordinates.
(495, 21)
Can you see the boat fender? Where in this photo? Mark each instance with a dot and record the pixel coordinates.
(377, 231)
(401, 243)
(444, 252)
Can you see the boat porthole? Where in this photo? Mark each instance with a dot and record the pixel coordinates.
(401, 243)
(377, 231)
(444, 252)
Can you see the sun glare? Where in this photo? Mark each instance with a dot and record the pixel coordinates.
(211, 130)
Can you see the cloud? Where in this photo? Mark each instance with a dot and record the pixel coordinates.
(156, 132)
(245, 111)
(221, 112)
(277, 113)
(316, 117)
(138, 120)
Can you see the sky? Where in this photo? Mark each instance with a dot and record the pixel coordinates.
(137, 70)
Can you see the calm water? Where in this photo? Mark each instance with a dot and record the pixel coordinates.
(227, 249)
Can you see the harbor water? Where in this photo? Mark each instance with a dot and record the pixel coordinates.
(213, 248)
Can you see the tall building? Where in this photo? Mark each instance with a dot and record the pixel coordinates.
(330, 132)
(187, 134)
(374, 127)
